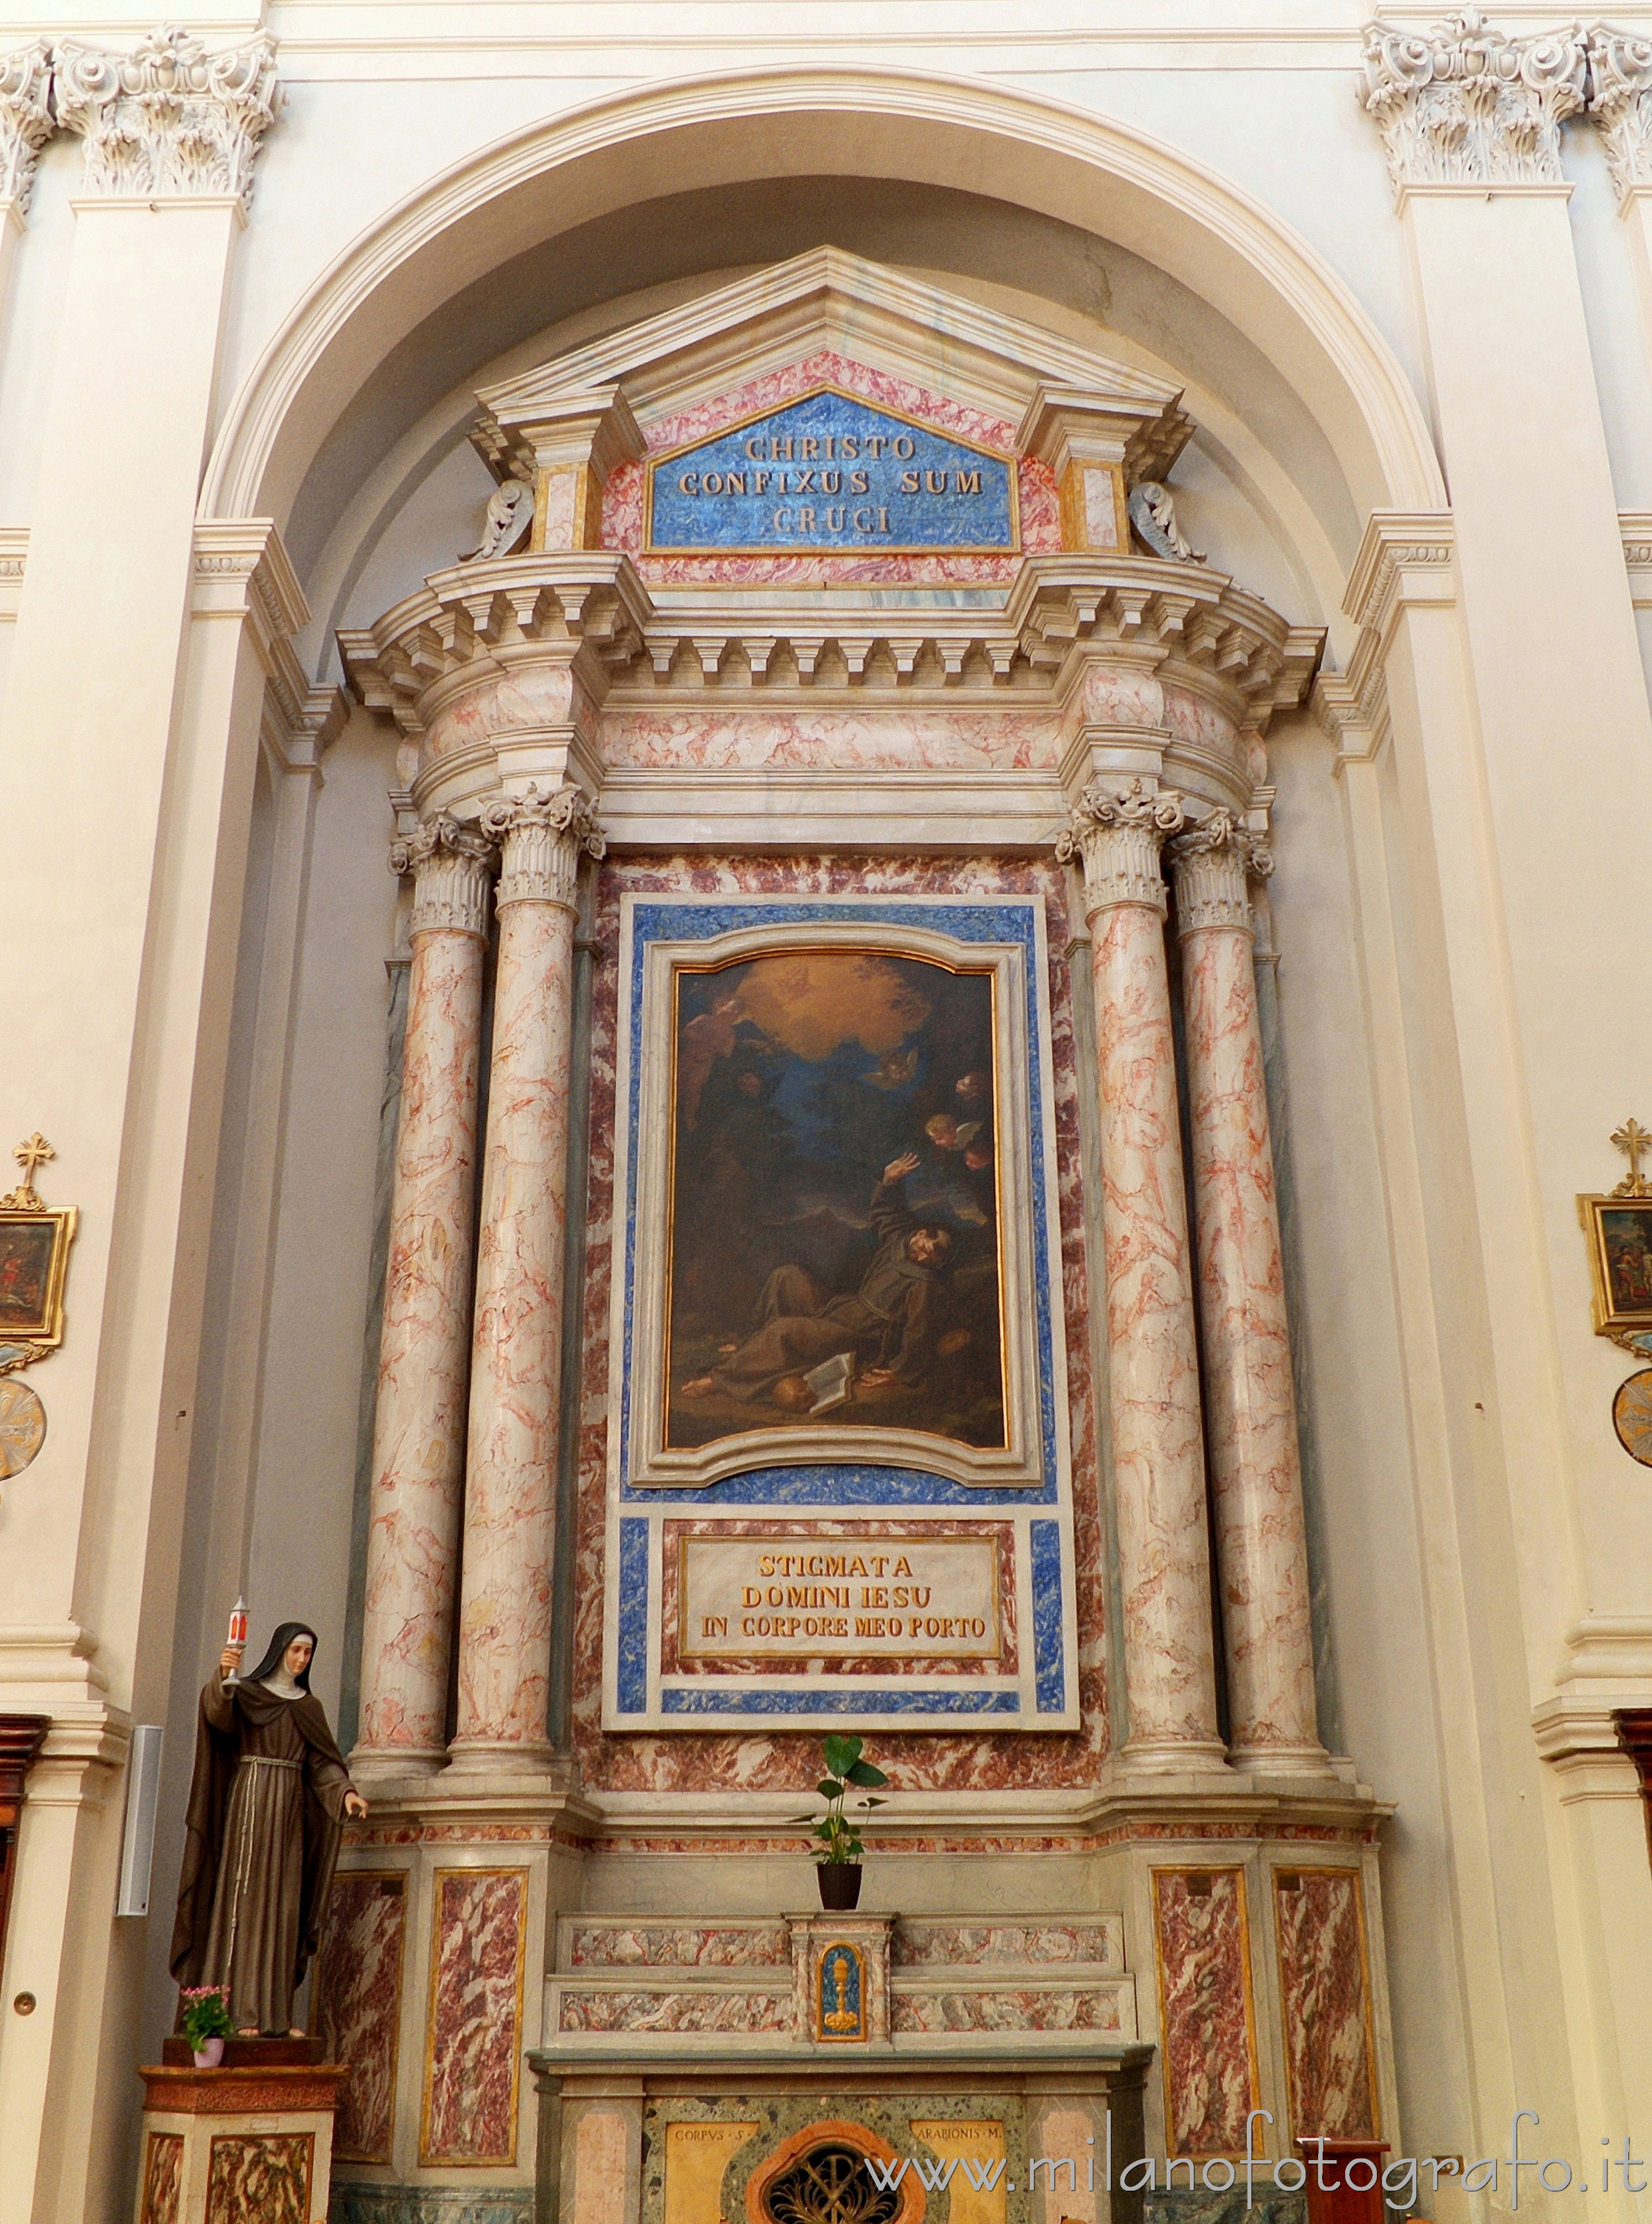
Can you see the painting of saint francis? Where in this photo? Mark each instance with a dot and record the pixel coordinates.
(834, 1199)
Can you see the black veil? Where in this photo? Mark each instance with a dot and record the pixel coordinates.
(278, 1644)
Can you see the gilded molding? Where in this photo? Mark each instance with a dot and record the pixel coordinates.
(168, 119)
(1620, 77)
(25, 119)
(542, 839)
(1214, 864)
(1463, 104)
(1117, 834)
(452, 867)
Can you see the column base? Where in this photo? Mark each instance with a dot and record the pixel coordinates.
(1174, 1756)
(370, 1765)
(1281, 1760)
(499, 1757)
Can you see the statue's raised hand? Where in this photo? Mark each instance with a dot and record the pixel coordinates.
(229, 1660)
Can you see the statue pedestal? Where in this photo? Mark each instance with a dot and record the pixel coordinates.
(251, 2143)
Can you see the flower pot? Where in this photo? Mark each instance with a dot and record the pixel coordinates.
(209, 2055)
(839, 1884)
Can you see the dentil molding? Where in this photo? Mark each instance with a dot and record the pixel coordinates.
(26, 120)
(168, 120)
(1463, 104)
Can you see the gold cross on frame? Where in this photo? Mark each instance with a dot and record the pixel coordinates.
(35, 1152)
(1632, 1140)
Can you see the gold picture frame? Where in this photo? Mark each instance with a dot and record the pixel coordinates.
(1619, 1232)
(34, 1268)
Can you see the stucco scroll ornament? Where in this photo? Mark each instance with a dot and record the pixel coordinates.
(452, 866)
(1463, 104)
(169, 119)
(509, 516)
(26, 120)
(542, 839)
(1115, 834)
(1152, 511)
(1620, 102)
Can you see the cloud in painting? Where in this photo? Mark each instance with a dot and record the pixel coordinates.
(811, 1002)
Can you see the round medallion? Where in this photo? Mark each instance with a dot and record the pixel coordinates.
(1632, 1416)
(22, 1426)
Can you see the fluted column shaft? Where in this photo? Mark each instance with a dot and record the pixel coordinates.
(504, 1626)
(419, 1426)
(1250, 1401)
(1152, 1369)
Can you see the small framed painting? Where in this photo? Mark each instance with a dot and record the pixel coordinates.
(33, 1266)
(1619, 1230)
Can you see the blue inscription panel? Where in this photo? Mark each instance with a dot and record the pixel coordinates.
(832, 471)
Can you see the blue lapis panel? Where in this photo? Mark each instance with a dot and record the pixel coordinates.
(832, 471)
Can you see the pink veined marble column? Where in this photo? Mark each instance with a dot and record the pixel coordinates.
(1152, 1369)
(1250, 1400)
(504, 1622)
(419, 1424)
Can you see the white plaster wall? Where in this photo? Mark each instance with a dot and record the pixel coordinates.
(300, 1562)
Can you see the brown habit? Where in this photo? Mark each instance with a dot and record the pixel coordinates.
(266, 1806)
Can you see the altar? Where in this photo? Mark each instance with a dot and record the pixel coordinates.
(834, 1282)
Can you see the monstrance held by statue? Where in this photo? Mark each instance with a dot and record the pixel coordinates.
(267, 1806)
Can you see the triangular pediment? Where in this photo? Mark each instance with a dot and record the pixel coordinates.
(829, 304)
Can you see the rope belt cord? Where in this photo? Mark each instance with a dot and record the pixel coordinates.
(265, 1761)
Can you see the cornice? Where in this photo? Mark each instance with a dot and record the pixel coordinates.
(242, 569)
(1636, 526)
(1406, 557)
(470, 623)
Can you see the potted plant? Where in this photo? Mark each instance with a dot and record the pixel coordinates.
(206, 2023)
(841, 1849)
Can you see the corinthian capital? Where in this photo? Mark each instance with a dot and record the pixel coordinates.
(25, 118)
(542, 839)
(1117, 834)
(169, 119)
(1620, 81)
(452, 866)
(1462, 104)
(1214, 864)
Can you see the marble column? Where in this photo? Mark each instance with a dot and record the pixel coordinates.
(1250, 1402)
(504, 1623)
(419, 1428)
(1153, 1367)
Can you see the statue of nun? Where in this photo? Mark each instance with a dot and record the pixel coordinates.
(266, 1810)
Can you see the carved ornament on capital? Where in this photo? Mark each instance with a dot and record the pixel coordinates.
(25, 119)
(542, 839)
(1214, 864)
(1463, 104)
(1117, 834)
(1620, 83)
(452, 867)
(169, 119)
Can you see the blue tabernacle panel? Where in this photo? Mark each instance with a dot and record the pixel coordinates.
(1045, 1539)
(633, 1678)
(832, 471)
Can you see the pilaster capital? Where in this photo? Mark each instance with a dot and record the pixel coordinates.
(1214, 864)
(1463, 104)
(542, 839)
(452, 866)
(1405, 558)
(1117, 833)
(168, 120)
(25, 119)
(1620, 79)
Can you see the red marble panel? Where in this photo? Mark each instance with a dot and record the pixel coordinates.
(1207, 2033)
(163, 2167)
(473, 2047)
(261, 2175)
(1324, 1991)
(770, 1760)
(358, 1990)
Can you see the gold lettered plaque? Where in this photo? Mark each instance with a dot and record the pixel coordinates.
(35, 1240)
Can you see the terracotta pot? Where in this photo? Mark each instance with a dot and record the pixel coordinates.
(839, 1884)
(209, 2056)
